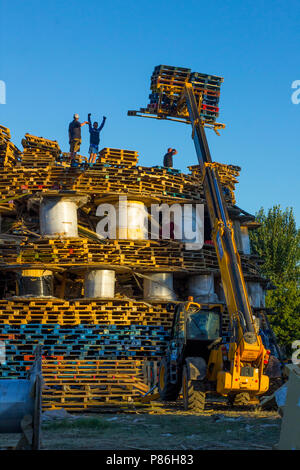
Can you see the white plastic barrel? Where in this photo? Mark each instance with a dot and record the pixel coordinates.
(193, 226)
(58, 217)
(201, 287)
(159, 286)
(132, 222)
(99, 283)
(237, 234)
(245, 240)
(256, 294)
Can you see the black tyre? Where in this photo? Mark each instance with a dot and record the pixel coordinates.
(167, 390)
(193, 396)
(240, 399)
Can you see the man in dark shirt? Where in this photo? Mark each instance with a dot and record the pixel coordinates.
(94, 138)
(168, 158)
(75, 136)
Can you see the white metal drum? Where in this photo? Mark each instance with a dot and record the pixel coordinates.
(256, 294)
(193, 226)
(58, 217)
(201, 287)
(132, 221)
(99, 283)
(159, 286)
(245, 240)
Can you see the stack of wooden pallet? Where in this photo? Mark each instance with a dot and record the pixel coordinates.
(34, 142)
(22, 311)
(207, 87)
(95, 348)
(141, 255)
(118, 157)
(88, 385)
(167, 84)
(39, 152)
(81, 342)
(9, 153)
(100, 181)
(228, 177)
(37, 158)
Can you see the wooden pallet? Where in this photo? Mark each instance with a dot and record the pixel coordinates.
(86, 311)
(37, 158)
(82, 385)
(34, 142)
(121, 157)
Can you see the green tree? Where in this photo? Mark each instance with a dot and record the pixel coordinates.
(277, 242)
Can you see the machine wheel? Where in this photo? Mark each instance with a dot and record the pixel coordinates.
(193, 398)
(240, 399)
(167, 390)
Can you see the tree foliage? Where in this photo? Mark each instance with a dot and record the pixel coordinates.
(277, 242)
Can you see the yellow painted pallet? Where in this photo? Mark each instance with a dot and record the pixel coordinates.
(98, 312)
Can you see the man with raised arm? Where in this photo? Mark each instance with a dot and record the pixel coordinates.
(94, 138)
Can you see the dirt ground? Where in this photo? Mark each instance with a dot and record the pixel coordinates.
(159, 428)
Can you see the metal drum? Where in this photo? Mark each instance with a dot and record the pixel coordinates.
(193, 227)
(256, 294)
(132, 221)
(245, 240)
(159, 286)
(201, 287)
(21, 405)
(16, 401)
(100, 283)
(35, 283)
(237, 234)
(58, 217)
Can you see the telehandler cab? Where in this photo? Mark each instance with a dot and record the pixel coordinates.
(196, 330)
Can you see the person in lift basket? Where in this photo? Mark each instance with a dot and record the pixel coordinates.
(94, 138)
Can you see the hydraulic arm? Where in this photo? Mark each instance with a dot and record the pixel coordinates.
(246, 352)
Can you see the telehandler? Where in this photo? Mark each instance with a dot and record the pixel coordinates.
(197, 360)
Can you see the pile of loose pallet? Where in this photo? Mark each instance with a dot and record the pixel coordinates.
(95, 350)
(141, 255)
(89, 384)
(9, 153)
(228, 175)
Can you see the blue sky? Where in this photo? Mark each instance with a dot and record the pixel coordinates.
(61, 57)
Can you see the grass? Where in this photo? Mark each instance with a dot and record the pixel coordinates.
(95, 424)
(227, 430)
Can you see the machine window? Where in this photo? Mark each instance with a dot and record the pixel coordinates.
(203, 326)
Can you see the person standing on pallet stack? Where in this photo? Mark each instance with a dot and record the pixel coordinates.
(94, 138)
(75, 137)
(168, 158)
